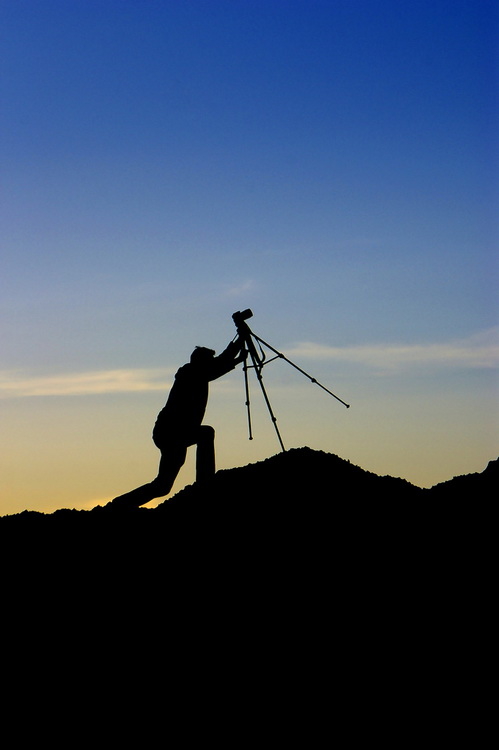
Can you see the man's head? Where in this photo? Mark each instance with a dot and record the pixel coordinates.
(202, 355)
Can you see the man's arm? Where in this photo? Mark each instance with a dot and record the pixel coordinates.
(232, 355)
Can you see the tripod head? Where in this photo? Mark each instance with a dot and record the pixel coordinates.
(246, 335)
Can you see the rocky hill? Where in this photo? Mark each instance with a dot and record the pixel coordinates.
(300, 489)
(303, 560)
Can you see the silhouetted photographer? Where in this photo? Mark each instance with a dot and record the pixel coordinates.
(179, 423)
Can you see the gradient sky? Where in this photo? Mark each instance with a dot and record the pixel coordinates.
(330, 164)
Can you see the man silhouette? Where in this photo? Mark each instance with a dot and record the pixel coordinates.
(179, 423)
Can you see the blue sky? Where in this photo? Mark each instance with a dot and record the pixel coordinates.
(332, 165)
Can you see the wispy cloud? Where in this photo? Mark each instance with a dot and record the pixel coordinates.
(16, 384)
(237, 290)
(478, 351)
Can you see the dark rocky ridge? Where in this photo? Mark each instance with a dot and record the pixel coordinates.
(301, 489)
(299, 475)
(303, 569)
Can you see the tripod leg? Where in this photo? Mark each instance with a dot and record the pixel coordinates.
(313, 380)
(246, 388)
(246, 335)
(258, 370)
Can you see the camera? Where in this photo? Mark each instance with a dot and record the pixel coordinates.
(239, 317)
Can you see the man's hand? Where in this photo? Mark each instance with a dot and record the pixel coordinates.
(242, 357)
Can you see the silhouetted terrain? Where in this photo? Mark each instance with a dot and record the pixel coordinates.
(301, 489)
(302, 574)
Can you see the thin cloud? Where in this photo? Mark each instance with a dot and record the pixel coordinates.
(239, 289)
(480, 351)
(15, 384)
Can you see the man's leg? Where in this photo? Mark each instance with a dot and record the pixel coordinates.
(172, 460)
(205, 454)
(134, 498)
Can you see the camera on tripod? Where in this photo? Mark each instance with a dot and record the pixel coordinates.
(239, 317)
(248, 340)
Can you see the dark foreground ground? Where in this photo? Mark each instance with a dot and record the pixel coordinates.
(300, 596)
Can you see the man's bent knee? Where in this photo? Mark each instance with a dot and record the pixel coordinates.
(206, 433)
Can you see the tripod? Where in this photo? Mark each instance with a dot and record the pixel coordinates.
(258, 362)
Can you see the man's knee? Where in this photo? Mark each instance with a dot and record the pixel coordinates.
(206, 433)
